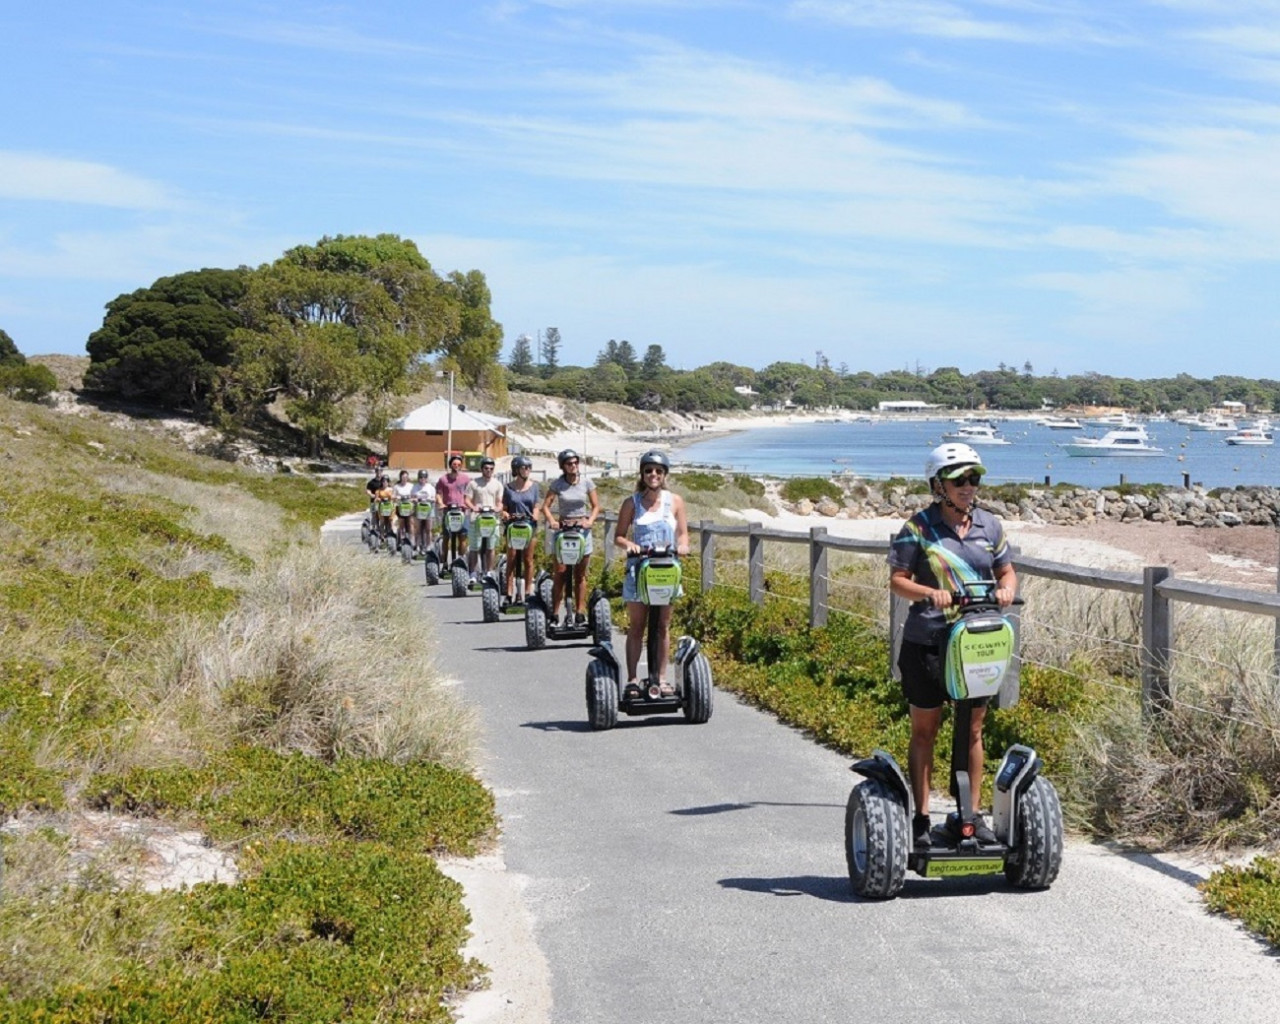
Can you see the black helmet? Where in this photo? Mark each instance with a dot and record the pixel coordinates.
(565, 456)
(486, 461)
(654, 457)
(521, 462)
(454, 455)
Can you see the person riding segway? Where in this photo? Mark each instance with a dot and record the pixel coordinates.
(653, 530)
(483, 499)
(562, 615)
(451, 491)
(953, 563)
(520, 514)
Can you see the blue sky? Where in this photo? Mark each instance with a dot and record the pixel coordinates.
(1084, 186)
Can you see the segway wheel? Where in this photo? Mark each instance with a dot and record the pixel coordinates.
(535, 627)
(601, 621)
(365, 530)
(406, 551)
(501, 573)
(1035, 862)
(393, 546)
(461, 579)
(697, 689)
(602, 694)
(489, 601)
(876, 840)
(432, 570)
(546, 588)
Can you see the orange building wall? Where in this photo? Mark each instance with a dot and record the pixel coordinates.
(424, 449)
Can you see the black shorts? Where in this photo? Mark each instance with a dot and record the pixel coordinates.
(921, 668)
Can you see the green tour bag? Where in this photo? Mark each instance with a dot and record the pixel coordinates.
(978, 652)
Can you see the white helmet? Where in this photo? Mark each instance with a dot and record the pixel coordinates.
(952, 456)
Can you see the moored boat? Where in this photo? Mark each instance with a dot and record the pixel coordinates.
(1124, 440)
(975, 433)
(1254, 435)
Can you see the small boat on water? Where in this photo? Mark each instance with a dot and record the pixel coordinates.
(975, 433)
(1254, 435)
(1060, 423)
(1124, 440)
(1217, 424)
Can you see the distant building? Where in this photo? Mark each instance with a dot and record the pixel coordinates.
(418, 439)
(906, 406)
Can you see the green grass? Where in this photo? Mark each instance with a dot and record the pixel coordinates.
(813, 488)
(175, 649)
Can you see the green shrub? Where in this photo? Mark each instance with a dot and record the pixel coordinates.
(340, 932)
(748, 485)
(699, 481)
(1250, 893)
(247, 792)
(27, 382)
(811, 487)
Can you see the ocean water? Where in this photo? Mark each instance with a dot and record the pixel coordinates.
(889, 448)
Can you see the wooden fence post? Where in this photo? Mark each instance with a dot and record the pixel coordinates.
(817, 576)
(707, 547)
(755, 564)
(1157, 640)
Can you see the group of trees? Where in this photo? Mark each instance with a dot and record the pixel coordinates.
(620, 375)
(19, 379)
(648, 383)
(351, 317)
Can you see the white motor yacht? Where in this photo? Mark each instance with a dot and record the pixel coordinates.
(975, 433)
(1126, 440)
(1060, 423)
(1254, 435)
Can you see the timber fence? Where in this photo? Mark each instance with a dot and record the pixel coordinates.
(1155, 622)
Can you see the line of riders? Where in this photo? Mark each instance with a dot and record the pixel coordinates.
(405, 516)
(951, 561)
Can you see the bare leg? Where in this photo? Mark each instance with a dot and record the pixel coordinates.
(924, 732)
(976, 755)
(637, 614)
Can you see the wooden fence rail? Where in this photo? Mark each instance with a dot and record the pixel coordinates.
(1158, 588)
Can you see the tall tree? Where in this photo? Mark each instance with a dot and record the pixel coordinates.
(521, 360)
(348, 316)
(550, 355)
(653, 363)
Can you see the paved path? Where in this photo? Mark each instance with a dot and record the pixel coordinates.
(689, 874)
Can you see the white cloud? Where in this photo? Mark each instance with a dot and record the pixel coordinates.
(35, 177)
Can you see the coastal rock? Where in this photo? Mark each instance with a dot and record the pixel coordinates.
(827, 507)
(804, 507)
(1253, 506)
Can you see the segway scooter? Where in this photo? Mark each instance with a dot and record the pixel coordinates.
(486, 540)
(383, 534)
(453, 527)
(1026, 814)
(404, 513)
(519, 532)
(423, 510)
(539, 622)
(657, 585)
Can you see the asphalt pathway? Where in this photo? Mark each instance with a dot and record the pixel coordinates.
(695, 873)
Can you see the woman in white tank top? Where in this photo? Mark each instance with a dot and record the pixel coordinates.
(652, 517)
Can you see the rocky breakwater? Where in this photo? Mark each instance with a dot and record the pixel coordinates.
(1241, 506)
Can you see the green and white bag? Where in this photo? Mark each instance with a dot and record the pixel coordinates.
(658, 580)
(569, 547)
(519, 534)
(978, 652)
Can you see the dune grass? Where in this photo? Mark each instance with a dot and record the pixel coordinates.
(176, 647)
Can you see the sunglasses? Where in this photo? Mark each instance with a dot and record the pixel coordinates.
(972, 479)
(654, 469)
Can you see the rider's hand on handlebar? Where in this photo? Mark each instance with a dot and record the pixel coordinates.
(1004, 596)
(940, 598)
